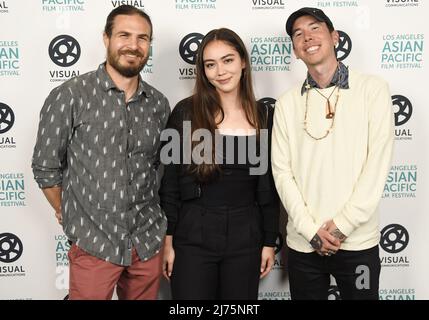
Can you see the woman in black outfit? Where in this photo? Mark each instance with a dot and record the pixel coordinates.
(222, 216)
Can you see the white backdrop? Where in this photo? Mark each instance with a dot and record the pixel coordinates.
(384, 37)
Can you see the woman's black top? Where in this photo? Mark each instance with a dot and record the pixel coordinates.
(231, 186)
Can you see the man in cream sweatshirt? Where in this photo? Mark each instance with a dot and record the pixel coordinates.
(331, 152)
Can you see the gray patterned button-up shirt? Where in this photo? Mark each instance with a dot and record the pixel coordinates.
(104, 152)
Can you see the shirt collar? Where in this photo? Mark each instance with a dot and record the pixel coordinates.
(104, 80)
(340, 79)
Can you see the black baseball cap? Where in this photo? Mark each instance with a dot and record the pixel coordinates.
(307, 11)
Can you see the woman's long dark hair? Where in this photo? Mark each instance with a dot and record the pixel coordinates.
(206, 104)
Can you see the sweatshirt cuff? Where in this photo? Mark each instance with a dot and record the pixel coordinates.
(343, 224)
(310, 232)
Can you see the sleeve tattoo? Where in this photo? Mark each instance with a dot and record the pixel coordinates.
(338, 234)
(316, 242)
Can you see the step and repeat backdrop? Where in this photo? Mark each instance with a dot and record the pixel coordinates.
(46, 42)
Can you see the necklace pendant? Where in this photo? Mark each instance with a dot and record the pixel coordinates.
(329, 113)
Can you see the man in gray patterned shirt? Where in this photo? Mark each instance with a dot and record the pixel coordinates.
(96, 159)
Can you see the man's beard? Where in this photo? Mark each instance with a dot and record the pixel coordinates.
(126, 71)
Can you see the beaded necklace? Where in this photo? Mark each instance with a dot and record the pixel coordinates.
(330, 112)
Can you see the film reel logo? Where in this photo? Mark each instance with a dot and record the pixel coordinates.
(10, 248)
(405, 109)
(394, 238)
(189, 46)
(64, 50)
(344, 46)
(268, 101)
(7, 118)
